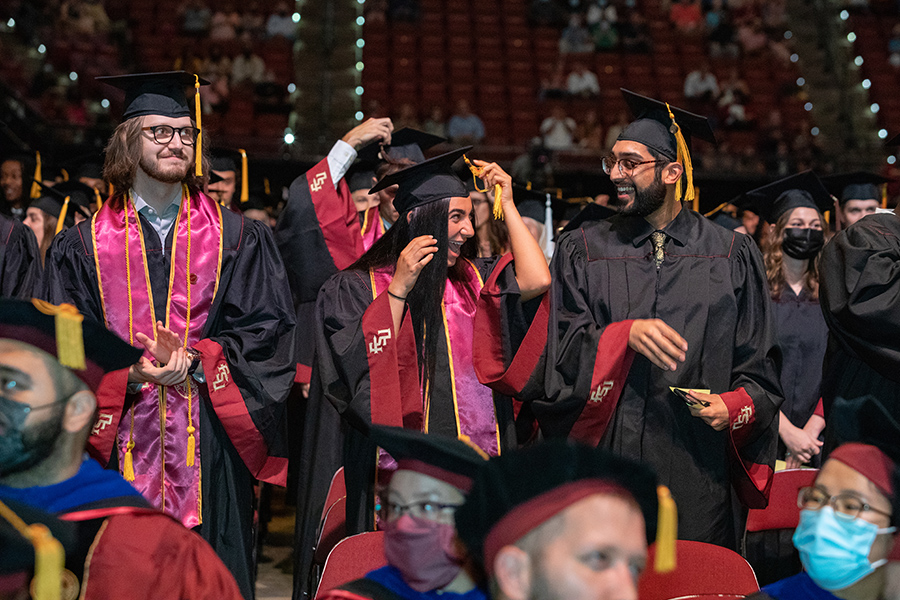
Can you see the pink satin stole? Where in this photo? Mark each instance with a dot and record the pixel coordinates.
(161, 415)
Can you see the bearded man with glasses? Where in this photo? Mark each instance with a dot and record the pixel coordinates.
(654, 298)
(204, 292)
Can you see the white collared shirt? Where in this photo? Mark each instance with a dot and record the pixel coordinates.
(161, 223)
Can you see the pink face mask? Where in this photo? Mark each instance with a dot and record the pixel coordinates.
(422, 551)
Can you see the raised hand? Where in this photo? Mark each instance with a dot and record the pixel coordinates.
(368, 131)
(166, 342)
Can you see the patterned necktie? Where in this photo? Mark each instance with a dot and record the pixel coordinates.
(659, 242)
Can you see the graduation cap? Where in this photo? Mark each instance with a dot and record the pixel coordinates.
(668, 131)
(161, 94)
(451, 460)
(428, 181)
(719, 216)
(860, 185)
(33, 541)
(800, 190)
(406, 143)
(227, 159)
(519, 490)
(60, 205)
(360, 176)
(591, 212)
(79, 193)
(86, 347)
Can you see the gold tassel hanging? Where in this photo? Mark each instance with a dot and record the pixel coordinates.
(69, 334)
(35, 184)
(198, 145)
(65, 174)
(666, 532)
(684, 157)
(476, 172)
(61, 220)
(49, 555)
(245, 183)
(884, 198)
(128, 468)
(266, 186)
(98, 199)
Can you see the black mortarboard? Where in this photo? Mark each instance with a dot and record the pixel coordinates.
(533, 209)
(228, 159)
(860, 185)
(521, 489)
(86, 347)
(719, 216)
(90, 170)
(801, 190)
(405, 143)
(52, 201)
(448, 459)
(360, 176)
(653, 125)
(215, 177)
(77, 192)
(426, 182)
(154, 93)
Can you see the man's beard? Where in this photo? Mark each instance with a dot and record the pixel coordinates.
(541, 588)
(172, 175)
(35, 445)
(649, 199)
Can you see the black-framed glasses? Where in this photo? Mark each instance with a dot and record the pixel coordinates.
(163, 134)
(845, 505)
(626, 165)
(425, 509)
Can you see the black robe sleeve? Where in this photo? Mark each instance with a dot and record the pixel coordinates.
(20, 260)
(70, 274)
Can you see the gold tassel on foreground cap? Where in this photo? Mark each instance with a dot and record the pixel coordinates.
(245, 184)
(476, 172)
(98, 198)
(69, 335)
(61, 220)
(35, 184)
(684, 157)
(666, 532)
(49, 555)
(198, 145)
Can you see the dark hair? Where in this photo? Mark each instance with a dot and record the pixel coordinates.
(424, 300)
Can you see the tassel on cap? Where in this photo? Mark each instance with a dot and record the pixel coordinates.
(98, 198)
(35, 185)
(49, 555)
(684, 157)
(666, 532)
(198, 145)
(69, 335)
(65, 174)
(266, 186)
(245, 183)
(61, 220)
(128, 468)
(884, 196)
(498, 197)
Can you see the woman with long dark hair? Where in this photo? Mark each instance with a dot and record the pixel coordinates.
(796, 232)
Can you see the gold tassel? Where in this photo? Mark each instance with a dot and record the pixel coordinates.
(266, 188)
(61, 220)
(49, 555)
(528, 186)
(112, 190)
(198, 146)
(498, 207)
(35, 185)
(128, 469)
(245, 184)
(666, 532)
(684, 157)
(476, 172)
(98, 198)
(191, 445)
(884, 196)
(69, 334)
(65, 174)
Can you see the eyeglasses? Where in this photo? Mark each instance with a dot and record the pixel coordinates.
(426, 509)
(163, 134)
(626, 165)
(846, 506)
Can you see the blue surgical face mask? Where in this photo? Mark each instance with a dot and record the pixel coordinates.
(835, 551)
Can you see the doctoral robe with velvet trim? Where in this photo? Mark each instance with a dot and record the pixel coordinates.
(247, 335)
(859, 287)
(366, 373)
(711, 289)
(20, 260)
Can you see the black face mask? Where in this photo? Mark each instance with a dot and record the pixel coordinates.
(21, 448)
(802, 244)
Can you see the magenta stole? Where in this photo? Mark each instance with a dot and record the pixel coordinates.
(473, 402)
(158, 422)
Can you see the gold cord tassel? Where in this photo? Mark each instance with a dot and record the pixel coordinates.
(245, 183)
(128, 468)
(884, 196)
(65, 174)
(198, 146)
(684, 157)
(49, 555)
(35, 185)
(476, 172)
(191, 445)
(266, 186)
(498, 207)
(666, 532)
(69, 334)
(61, 220)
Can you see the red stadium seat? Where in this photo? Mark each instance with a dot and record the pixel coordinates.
(702, 569)
(332, 529)
(351, 559)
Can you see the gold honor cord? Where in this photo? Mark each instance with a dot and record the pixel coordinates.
(476, 173)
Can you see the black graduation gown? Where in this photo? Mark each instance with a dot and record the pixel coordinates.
(340, 408)
(711, 289)
(20, 260)
(252, 320)
(859, 288)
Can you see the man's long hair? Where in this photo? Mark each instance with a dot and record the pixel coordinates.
(123, 158)
(424, 300)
